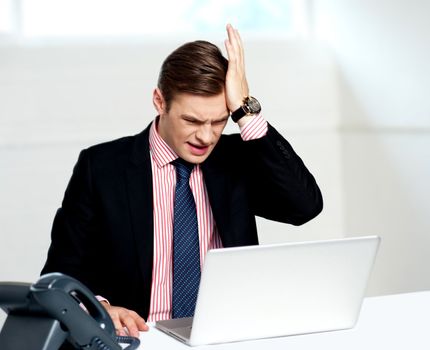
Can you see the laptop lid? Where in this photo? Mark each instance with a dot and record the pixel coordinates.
(282, 289)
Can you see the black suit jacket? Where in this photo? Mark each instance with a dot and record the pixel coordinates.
(103, 233)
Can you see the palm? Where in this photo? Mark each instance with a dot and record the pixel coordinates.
(236, 83)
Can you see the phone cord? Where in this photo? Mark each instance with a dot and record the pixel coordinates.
(98, 344)
(133, 343)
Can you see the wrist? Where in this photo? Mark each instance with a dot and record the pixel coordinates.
(236, 105)
(249, 107)
(245, 120)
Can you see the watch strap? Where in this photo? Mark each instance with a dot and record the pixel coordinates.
(237, 114)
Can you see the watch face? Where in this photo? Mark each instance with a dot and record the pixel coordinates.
(252, 106)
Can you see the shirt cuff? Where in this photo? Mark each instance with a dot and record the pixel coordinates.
(255, 129)
(100, 298)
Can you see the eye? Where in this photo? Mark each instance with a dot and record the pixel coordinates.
(190, 121)
(219, 122)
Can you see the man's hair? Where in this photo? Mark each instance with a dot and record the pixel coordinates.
(196, 67)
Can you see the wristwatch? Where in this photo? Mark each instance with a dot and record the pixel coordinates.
(250, 106)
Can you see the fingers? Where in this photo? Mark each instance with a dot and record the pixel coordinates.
(239, 46)
(116, 322)
(234, 46)
(126, 322)
(135, 321)
(232, 38)
(236, 82)
(130, 323)
(230, 53)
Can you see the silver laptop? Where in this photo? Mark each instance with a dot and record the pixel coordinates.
(278, 290)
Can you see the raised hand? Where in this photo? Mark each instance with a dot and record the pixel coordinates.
(236, 83)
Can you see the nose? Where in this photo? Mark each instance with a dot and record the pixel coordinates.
(205, 134)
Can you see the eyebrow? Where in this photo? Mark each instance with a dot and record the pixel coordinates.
(194, 118)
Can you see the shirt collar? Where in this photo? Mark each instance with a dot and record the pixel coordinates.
(161, 152)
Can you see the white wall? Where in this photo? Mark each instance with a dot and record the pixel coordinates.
(357, 113)
(382, 49)
(58, 99)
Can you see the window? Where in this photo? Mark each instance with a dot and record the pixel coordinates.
(119, 18)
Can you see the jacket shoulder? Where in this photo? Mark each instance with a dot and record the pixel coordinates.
(120, 149)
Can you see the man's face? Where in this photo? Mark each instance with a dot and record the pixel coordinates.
(193, 125)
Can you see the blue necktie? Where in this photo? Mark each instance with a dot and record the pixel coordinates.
(186, 247)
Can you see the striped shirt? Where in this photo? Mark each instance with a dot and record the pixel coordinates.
(164, 182)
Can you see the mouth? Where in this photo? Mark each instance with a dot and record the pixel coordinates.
(198, 150)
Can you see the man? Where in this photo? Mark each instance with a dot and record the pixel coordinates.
(117, 228)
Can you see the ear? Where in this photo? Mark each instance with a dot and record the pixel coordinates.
(158, 101)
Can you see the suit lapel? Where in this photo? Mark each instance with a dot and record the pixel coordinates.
(217, 187)
(139, 188)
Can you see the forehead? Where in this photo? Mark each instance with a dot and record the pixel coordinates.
(200, 106)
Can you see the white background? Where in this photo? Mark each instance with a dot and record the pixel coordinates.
(353, 100)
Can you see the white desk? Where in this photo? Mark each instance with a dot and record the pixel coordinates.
(400, 321)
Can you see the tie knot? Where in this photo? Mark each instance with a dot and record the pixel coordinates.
(183, 169)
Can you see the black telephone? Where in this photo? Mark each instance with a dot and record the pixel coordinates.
(44, 314)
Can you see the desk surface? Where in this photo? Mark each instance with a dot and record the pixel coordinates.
(400, 321)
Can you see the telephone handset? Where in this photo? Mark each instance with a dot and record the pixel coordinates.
(50, 310)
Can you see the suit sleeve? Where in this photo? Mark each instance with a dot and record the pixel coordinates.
(75, 226)
(281, 187)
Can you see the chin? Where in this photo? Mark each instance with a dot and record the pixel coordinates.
(195, 159)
